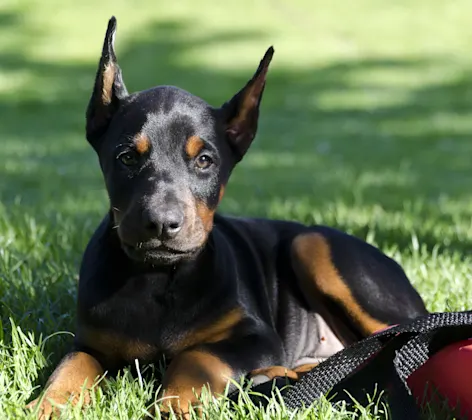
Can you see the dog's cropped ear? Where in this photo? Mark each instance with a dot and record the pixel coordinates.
(109, 88)
(241, 113)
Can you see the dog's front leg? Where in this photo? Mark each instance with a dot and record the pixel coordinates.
(187, 374)
(76, 372)
(214, 365)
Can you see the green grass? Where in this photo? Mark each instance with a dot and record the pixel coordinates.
(365, 126)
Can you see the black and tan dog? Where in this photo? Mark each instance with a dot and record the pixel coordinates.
(220, 297)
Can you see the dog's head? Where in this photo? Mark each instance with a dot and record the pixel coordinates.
(166, 157)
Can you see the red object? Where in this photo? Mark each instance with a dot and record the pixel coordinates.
(450, 373)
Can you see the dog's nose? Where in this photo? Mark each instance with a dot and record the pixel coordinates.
(165, 224)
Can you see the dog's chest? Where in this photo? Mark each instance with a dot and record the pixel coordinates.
(142, 319)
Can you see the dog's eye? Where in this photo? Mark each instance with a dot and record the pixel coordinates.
(128, 158)
(204, 162)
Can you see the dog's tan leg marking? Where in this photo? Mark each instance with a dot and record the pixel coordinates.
(281, 371)
(221, 329)
(76, 372)
(272, 372)
(187, 374)
(312, 262)
(302, 369)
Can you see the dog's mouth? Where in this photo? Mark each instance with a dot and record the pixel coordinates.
(160, 254)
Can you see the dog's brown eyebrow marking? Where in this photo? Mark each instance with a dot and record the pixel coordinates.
(194, 146)
(142, 143)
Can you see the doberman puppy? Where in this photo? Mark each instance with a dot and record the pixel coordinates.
(220, 297)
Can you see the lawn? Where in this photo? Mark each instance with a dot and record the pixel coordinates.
(365, 126)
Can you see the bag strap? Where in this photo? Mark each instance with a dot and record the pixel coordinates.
(410, 344)
(384, 360)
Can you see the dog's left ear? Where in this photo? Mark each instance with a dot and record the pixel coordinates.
(241, 113)
(108, 91)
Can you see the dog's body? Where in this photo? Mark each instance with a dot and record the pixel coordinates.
(247, 287)
(220, 297)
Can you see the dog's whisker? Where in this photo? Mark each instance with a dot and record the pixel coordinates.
(116, 209)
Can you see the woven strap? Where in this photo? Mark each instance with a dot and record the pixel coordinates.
(412, 345)
(383, 361)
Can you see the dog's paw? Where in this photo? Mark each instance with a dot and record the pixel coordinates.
(171, 408)
(45, 408)
(52, 403)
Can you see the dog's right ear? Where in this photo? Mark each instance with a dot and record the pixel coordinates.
(108, 91)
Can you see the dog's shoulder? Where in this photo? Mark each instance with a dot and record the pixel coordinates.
(255, 238)
(255, 229)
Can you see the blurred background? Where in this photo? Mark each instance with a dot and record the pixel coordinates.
(365, 121)
(364, 103)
